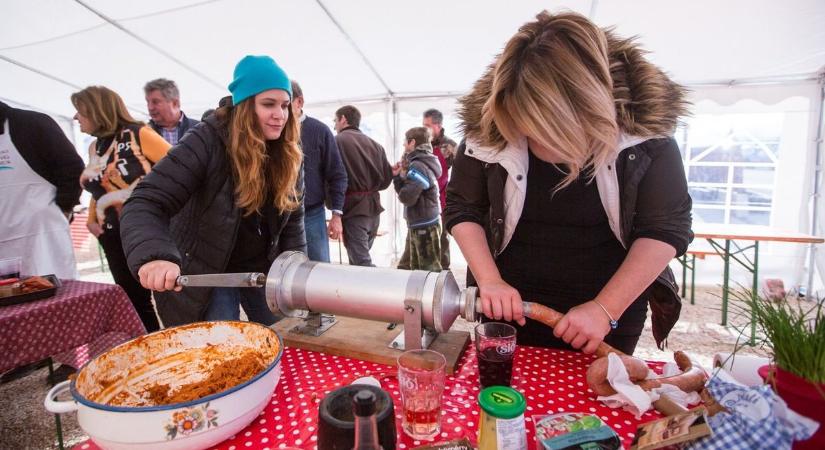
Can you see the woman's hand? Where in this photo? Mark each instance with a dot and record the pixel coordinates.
(583, 327)
(499, 301)
(94, 228)
(159, 275)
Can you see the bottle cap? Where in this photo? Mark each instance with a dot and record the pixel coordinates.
(502, 401)
(363, 403)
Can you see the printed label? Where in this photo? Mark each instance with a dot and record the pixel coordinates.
(511, 434)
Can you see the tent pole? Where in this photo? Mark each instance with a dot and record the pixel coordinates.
(817, 183)
(396, 158)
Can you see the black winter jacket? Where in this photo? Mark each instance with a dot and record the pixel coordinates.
(649, 173)
(46, 150)
(184, 211)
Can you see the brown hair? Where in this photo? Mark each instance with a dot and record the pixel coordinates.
(260, 167)
(421, 135)
(104, 108)
(552, 83)
(351, 113)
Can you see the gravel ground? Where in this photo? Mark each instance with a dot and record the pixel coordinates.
(25, 424)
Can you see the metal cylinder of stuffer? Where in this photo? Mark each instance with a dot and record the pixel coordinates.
(296, 286)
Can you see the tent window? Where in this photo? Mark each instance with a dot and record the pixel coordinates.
(730, 163)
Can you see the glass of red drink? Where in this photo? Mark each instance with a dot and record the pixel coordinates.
(495, 349)
(421, 375)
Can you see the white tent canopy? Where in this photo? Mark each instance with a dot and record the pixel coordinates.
(358, 49)
(395, 59)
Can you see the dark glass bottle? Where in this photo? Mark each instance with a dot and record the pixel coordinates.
(366, 425)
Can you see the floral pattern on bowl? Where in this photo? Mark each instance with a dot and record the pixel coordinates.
(189, 420)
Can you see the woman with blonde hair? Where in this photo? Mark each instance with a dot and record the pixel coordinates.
(123, 153)
(226, 199)
(568, 190)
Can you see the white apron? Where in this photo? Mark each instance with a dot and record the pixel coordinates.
(31, 224)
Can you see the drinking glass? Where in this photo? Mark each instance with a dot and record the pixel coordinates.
(10, 267)
(421, 375)
(495, 348)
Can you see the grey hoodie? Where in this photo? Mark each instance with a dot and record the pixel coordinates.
(418, 188)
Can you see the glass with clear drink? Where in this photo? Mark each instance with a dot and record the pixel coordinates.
(421, 375)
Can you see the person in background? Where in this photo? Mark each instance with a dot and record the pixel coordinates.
(444, 150)
(163, 102)
(206, 114)
(39, 169)
(325, 180)
(368, 172)
(416, 182)
(234, 185)
(124, 151)
(570, 170)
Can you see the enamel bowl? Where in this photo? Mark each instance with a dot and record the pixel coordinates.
(112, 394)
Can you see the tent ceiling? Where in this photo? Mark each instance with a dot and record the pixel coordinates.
(50, 48)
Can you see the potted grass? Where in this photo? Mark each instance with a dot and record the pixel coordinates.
(795, 337)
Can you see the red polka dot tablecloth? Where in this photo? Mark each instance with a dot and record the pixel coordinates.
(82, 320)
(551, 380)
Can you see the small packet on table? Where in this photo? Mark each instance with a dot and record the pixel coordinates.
(574, 431)
(671, 430)
(460, 444)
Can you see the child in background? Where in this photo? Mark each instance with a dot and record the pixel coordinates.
(416, 182)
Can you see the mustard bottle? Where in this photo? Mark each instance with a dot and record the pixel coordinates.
(502, 419)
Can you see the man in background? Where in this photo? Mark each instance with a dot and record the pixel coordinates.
(368, 172)
(163, 102)
(325, 180)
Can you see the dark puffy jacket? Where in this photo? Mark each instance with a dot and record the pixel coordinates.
(648, 173)
(418, 189)
(184, 211)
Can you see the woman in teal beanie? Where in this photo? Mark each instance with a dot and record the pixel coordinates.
(226, 199)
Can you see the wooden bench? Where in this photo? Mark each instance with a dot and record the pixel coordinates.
(691, 266)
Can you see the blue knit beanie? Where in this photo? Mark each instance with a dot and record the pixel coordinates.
(255, 74)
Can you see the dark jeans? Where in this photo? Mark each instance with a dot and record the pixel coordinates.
(315, 225)
(359, 234)
(225, 303)
(141, 297)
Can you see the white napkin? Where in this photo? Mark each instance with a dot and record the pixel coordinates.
(635, 399)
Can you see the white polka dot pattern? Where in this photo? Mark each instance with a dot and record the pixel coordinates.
(551, 380)
(82, 320)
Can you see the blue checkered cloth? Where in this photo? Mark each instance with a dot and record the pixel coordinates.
(758, 419)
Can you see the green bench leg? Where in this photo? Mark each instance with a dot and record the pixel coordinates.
(693, 280)
(57, 423)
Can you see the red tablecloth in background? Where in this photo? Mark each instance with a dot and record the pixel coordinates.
(551, 380)
(80, 321)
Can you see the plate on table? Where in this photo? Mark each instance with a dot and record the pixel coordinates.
(13, 294)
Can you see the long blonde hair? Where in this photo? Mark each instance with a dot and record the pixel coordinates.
(262, 168)
(104, 108)
(553, 84)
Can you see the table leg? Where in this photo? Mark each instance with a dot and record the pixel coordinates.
(684, 273)
(725, 282)
(692, 279)
(57, 423)
(755, 291)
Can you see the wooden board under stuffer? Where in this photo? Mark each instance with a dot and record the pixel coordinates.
(368, 340)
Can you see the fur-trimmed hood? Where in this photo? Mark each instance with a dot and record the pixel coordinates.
(648, 103)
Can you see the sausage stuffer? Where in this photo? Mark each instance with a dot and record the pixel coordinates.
(426, 303)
